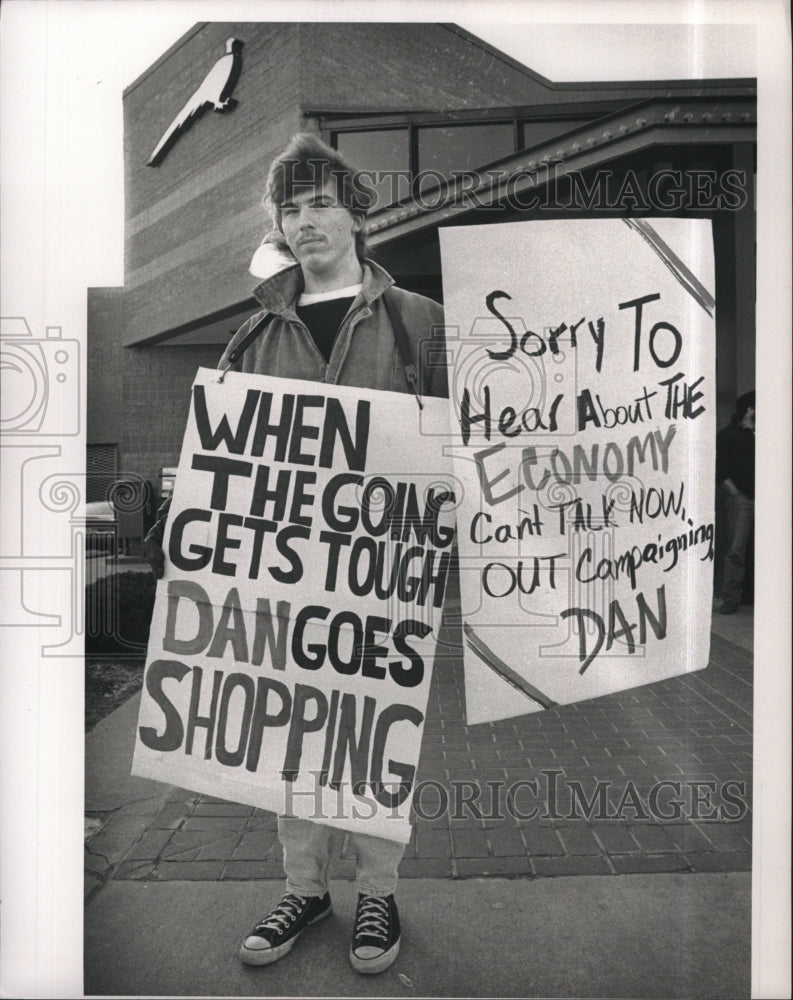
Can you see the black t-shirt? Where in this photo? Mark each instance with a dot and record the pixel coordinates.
(735, 457)
(323, 320)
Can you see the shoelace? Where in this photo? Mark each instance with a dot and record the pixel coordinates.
(372, 918)
(287, 911)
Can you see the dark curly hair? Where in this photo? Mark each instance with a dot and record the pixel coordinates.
(742, 404)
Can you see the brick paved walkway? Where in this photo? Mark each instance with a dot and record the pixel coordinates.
(692, 733)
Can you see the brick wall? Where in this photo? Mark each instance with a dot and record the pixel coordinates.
(192, 225)
(137, 397)
(406, 66)
(194, 221)
(105, 421)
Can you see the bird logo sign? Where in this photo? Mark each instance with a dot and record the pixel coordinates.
(215, 91)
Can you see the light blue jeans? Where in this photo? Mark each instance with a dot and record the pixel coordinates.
(307, 856)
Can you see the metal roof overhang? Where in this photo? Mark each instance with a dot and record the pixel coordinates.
(657, 121)
(690, 121)
(213, 329)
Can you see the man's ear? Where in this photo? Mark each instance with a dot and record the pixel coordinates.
(358, 222)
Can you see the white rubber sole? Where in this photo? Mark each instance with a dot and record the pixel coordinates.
(266, 956)
(371, 966)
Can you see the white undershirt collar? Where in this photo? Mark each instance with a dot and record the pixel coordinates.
(310, 298)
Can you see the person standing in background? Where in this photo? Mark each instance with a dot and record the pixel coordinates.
(735, 475)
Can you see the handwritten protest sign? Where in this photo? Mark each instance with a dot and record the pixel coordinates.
(308, 551)
(583, 413)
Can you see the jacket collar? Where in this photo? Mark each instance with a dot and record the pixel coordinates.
(279, 293)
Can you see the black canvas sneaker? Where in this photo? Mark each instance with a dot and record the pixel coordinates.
(276, 935)
(375, 940)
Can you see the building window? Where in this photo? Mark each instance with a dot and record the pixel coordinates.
(395, 155)
(410, 152)
(384, 152)
(450, 148)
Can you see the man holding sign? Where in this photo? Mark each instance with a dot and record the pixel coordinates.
(331, 317)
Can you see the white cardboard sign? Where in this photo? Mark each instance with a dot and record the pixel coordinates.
(308, 549)
(583, 411)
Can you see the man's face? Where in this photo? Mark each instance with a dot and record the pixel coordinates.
(320, 231)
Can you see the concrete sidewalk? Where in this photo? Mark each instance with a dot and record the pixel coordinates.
(633, 936)
(173, 878)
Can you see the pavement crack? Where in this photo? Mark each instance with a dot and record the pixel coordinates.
(98, 854)
(180, 852)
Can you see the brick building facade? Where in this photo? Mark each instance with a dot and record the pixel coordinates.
(424, 100)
